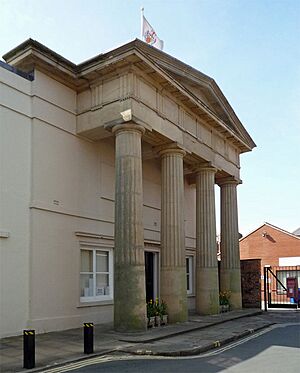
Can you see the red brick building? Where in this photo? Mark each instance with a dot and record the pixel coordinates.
(275, 247)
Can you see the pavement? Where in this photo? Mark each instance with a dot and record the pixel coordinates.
(199, 334)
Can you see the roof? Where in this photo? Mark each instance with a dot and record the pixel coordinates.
(177, 76)
(297, 232)
(271, 226)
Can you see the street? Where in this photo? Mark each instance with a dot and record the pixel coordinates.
(275, 350)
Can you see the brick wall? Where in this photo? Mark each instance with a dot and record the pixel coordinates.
(251, 283)
(268, 244)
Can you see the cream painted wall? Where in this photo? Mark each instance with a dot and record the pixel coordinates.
(15, 164)
(71, 187)
(55, 293)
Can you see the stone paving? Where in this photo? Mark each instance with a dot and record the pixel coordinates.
(199, 334)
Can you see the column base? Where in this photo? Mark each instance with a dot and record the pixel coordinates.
(207, 291)
(230, 279)
(130, 299)
(173, 292)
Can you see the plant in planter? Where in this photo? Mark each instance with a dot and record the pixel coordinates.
(151, 314)
(157, 312)
(224, 297)
(163, 313)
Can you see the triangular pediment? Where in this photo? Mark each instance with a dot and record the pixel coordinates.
(203, 87)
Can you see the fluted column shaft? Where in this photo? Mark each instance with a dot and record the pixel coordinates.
(173, 269)
(129, 269)
(207, 283)
(230, 273)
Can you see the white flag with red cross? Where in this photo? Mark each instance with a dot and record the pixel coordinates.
(150, 36)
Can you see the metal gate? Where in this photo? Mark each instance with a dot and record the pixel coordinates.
(281, 287)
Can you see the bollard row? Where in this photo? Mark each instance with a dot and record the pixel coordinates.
(29, 344)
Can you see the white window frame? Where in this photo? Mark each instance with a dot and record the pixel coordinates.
(110, 273)
(190, 274)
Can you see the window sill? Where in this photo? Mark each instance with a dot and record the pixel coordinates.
(95, 303)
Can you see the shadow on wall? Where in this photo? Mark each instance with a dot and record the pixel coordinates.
(268, 237)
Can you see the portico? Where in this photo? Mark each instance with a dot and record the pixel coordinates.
(129, 244)
(134, 105)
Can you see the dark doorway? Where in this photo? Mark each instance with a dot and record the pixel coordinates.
(149, 275)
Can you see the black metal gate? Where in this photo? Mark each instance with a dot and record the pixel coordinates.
(277, 294)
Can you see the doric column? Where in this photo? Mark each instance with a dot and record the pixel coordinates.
(207, 281)
(230, 273)
(173, 269)
(129, 269)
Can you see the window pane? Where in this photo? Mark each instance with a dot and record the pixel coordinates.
(86, 286)
(187, 265)
(188, 282)
(101, 261)
(102, 285)
(86, 261)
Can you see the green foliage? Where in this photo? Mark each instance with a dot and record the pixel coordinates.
(150, 309)
(224, 297)
(163, 308)
(156, 308)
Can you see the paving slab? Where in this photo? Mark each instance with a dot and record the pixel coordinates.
(201, 340)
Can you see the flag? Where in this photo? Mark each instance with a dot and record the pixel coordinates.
(149, 35)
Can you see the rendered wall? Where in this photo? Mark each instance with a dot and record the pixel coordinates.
(69, 185)
(15, 165)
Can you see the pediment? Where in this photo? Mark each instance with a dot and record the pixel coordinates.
(205, 89)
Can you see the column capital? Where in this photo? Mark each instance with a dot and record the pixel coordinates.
(172, 148)
(129, 126)
(204, 167)
(230, 180)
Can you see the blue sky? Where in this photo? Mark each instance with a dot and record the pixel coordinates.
(250, 47)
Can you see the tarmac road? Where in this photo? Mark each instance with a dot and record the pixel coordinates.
(274, 350)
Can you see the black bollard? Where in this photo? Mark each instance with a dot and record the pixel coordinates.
(29, 349)
(88, 338)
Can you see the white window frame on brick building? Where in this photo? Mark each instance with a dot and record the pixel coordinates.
(88, 267)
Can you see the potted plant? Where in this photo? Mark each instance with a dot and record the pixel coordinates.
(163, 313)
(157, 312)
(224, 297)
(150, 314)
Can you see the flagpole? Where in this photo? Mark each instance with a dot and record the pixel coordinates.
(142, 16)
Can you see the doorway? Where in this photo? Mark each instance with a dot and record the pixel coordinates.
(151, 266)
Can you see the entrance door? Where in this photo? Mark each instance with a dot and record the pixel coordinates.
(151, 275)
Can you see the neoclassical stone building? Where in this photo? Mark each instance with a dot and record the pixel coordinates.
(108, 196)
